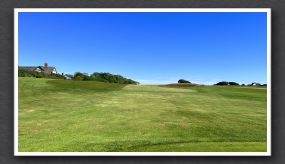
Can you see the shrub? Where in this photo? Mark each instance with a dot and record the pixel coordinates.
(233, 83)
(23, 73)
(222, 83)
(38, 74)
(183, 81)
(56, 76)
(81, 76)
(110, 78)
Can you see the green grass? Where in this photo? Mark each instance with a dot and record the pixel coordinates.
(83, 116)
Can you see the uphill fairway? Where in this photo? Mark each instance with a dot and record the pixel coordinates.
(87, 116)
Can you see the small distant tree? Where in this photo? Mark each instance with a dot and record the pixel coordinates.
(23, 73)
(233, 83)
(56, 76)
(183, 81)
(80, 76)
(222, 83)
(38, 74)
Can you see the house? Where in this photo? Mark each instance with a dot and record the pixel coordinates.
(68, 76)
(255, 84)
(45, 69)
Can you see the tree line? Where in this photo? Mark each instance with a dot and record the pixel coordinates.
(223, 83)
(103, 77)
(111, 78)
(79, 76)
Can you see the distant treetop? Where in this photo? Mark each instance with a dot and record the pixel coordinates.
(103, 77)
(183, 81)
(227, 83)
(222, 83)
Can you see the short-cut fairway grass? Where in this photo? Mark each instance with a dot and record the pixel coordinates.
(84, 116)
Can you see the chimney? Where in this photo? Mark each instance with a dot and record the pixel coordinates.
(46, 64)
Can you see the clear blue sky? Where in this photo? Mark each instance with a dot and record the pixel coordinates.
(148, 47)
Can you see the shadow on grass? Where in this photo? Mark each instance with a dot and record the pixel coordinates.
(179, 85)
(84, 86)
(171, 146)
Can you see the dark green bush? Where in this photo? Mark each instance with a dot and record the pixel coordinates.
(38, 74)
(222, 83)
(81, 76)
(56, 76)
(233, 83)
(23, 73)
(110, 78)
(183, 81)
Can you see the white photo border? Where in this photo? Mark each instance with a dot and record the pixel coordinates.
(19, 10)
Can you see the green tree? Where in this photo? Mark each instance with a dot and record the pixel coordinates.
(233, 83)
(110, 78)
(183, 81)
(222, 83)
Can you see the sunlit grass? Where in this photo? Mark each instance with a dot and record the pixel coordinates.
(79, 116)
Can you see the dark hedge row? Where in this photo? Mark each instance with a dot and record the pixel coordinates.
(104, 77)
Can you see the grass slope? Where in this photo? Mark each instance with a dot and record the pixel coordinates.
(78, 116)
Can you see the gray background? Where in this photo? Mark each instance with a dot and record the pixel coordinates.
(6, 75)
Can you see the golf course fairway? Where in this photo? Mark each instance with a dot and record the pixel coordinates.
(89, 116)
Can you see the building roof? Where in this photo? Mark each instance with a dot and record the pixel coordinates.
(68, 75)
(28, 68)
(47, 70)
